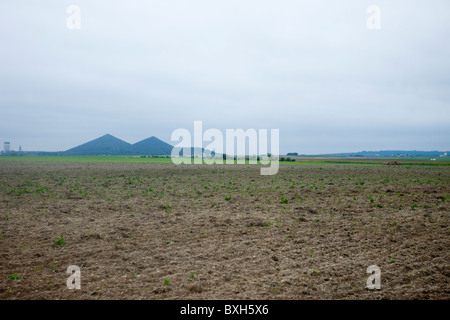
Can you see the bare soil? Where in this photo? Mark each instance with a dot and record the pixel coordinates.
(223, 232)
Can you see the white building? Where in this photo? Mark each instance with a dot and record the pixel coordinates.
(7, 146)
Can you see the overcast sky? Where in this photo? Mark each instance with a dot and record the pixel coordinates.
(312, 69)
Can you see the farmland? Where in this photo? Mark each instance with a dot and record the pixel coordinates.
(146, 229)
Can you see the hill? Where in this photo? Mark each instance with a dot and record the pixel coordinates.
(112, 146)
(105, 145)
(151, 146)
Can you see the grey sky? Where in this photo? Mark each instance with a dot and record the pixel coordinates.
(144, 68)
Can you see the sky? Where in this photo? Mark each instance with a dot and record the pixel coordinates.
(312, 69)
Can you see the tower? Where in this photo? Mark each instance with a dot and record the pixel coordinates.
(7, 146)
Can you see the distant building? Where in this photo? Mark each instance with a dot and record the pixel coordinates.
(7, 146)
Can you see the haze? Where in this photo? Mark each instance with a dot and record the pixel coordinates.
(312, 69)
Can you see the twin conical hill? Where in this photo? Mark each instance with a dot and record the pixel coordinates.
(110, 145)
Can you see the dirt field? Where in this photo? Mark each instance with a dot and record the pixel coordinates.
(156, 231)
